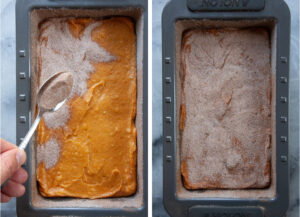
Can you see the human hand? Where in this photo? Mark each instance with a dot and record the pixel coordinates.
(11, 160)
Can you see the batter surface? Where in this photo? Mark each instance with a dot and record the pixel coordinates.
(225, 113)
(88, 149)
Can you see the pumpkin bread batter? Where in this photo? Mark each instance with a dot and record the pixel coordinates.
(225, 112)
(97, 144)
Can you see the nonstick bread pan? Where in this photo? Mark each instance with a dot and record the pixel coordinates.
(180, 16)
(29, 13)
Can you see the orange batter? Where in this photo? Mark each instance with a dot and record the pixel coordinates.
(98, 151)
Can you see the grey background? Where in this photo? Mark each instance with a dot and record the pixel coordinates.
(8, 102)
(158, 209)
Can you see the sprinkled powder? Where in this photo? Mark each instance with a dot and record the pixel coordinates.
(60, 51)
(48, 153)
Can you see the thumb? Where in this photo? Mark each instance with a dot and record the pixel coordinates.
(11, 161)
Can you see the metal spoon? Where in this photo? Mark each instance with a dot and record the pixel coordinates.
(42, 110)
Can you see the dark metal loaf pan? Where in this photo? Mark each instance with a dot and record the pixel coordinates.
(28, 14)
(178, 16)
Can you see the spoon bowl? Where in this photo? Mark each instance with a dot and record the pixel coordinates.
(61, 83)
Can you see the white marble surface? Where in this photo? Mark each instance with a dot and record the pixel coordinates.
(8, 103)
(158, 209)
(8, 84)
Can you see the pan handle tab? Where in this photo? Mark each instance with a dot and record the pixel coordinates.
(226, 5)
(225, 211)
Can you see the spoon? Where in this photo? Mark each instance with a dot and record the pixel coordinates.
(51, 97)
(59, 87)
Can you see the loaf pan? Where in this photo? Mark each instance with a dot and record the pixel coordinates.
(28, 14)
(178, 16)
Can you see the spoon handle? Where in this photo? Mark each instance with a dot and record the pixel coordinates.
(26, 140)
(28, 136)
